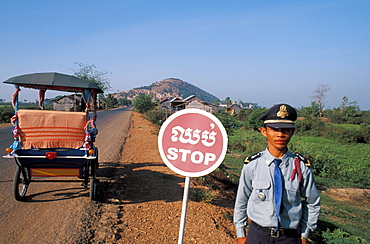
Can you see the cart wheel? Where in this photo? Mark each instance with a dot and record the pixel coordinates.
(92, 188)
(20, 183)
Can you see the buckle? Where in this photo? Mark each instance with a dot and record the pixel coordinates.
(274, 233)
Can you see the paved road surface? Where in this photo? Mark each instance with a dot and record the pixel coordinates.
(54, 212)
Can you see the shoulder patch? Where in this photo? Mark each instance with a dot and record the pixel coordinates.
(304, 160)
(253, 157)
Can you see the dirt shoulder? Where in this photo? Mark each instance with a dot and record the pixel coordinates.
(142, 200)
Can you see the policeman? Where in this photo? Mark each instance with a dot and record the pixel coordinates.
(277, 197)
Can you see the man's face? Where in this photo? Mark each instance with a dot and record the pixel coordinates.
(277, 138)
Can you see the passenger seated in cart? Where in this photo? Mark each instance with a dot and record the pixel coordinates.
(54, 143)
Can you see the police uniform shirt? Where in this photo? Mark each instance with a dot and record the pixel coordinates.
(255, 197)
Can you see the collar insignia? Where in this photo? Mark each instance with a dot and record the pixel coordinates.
(282, 112)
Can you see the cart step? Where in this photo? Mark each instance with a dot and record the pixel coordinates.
(55, 172)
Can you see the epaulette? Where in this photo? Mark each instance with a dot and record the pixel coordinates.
(304, 160)
(253, 157)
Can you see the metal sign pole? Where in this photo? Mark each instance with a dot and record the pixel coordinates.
(184, 207)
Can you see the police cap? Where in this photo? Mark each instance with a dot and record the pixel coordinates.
(280, 116)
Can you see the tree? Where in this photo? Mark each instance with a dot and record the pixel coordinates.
(144, 103)
(111, 101)
(89, 72)
(312, 111)
(124, 102)
(319, 95)
(228, 101)
(253, 122)
(350, 111)
(347, 113)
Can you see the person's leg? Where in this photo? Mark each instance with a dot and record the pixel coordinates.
(256, 236)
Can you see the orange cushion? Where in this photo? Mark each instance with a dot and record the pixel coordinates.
(51, 129)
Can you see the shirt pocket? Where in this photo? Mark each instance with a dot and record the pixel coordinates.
(292, 189)
(261, 191)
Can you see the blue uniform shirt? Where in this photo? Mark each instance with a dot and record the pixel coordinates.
(255, 197)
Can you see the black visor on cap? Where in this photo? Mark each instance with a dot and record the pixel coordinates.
(281, 125)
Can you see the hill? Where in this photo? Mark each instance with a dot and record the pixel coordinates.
(168, 88)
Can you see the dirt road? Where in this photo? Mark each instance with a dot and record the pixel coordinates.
(59, 212)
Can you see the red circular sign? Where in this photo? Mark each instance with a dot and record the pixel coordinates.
(192, 142)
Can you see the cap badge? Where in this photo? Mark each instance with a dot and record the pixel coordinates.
(282, 112)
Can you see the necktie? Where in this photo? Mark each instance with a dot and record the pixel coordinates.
(278, 190)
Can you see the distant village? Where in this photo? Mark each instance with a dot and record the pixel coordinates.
(74, 102)
(176, 104)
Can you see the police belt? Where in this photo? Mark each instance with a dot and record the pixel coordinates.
(279, 233)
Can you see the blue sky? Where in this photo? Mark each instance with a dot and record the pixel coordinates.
(265, 52)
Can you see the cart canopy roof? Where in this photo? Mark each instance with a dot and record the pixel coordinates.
(53, 81)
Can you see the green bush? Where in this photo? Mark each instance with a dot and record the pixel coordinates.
(253, 122)
(238, 146)
(206, 196)
(365, 130)
(6, 113)
(246, 140)
(344, 133)
(230, 122)
(340, 236)
(157, 116)
(144, 103)
(255, 142)
(311, 126)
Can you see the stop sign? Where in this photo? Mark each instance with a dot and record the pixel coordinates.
(192, 142)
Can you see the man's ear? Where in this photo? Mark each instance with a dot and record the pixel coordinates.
(263, 131)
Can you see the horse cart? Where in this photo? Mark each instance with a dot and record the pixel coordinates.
(49, 144)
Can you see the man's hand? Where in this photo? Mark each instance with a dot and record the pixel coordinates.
(303, 240)
(242, 240)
